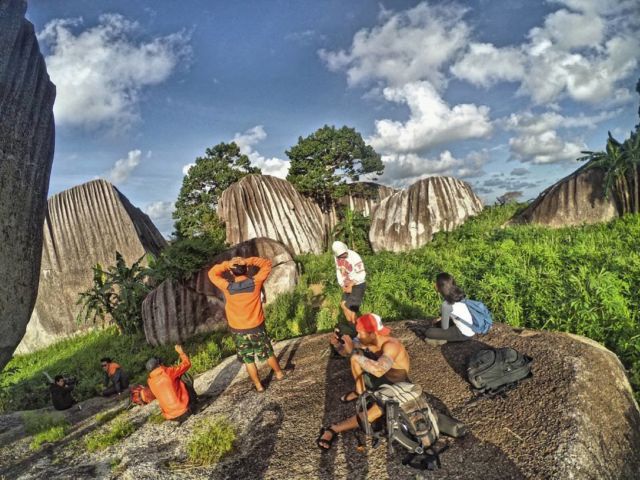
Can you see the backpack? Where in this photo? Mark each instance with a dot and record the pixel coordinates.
(493, 371)
(409, 418)
(480, 315)
(141, 395)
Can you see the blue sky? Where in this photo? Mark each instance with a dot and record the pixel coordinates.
(503, 94)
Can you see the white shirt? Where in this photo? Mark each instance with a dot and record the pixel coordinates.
(461, 317)
(350, 268)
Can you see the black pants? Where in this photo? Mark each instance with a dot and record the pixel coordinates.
(451, 334)
(112, 390)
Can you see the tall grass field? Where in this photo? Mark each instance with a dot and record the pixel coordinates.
(583, 280)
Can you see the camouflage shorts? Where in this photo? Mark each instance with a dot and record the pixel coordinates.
(253, 345)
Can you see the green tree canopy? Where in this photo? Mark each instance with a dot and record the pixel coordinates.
(323, 162)
(195, 212)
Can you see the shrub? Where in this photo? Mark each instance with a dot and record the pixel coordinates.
(99, 440)
(211, 440)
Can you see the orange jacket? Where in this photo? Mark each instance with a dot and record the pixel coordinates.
(169, 390)
(243, 309)
(111, 369)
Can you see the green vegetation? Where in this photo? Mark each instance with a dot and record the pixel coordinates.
(23, 385)
(323, 162)
(156, 418)
(117, 294)
(45, 427)
(211, 440)
(101, 439)
(353, 229)
(107, 415)
(195, 212)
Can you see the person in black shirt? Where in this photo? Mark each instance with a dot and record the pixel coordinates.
(61, 394)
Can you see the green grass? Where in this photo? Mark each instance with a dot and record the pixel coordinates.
(52, 434)
(36, 422)
(156, 418)
(108, 415)
(211, 440)
(120, 428)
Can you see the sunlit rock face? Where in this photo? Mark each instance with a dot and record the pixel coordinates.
(265, 206)
(176, 310)
(575, 200)
(408, 219)
(26, 154)
(84, 226)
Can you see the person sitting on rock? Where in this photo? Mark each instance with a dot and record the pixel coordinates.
(351, 278)
(244, 312)
(455, 320)
(115, 375)
(61, 396)
(386, 362)
(174, 395)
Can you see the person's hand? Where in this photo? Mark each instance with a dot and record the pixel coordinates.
(179, 349)
(237, 261)
(347, 288)
(333, 340)
(348, 343)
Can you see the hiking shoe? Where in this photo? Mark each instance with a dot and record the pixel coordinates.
(434, 342)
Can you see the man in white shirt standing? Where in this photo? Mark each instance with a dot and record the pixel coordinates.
(351, 277)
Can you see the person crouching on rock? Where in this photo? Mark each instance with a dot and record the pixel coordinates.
(115, 375)
(61, 396)
(386, 362)
(174, 396)
(455, 318)
(245, 316)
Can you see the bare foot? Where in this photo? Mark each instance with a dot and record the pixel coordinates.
(279, 375)
(259, 388)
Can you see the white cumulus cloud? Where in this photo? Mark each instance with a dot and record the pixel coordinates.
(270, 166)
(123, 168)
(100, 71)
(432, 122)
(160, 213)
(407, 46)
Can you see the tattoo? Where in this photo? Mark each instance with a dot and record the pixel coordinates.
(375, 367)
(357, 343)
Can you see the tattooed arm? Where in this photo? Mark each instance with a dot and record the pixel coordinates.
(381, 366)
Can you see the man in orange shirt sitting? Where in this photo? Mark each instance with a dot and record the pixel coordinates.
(245, 316)
(170, 391)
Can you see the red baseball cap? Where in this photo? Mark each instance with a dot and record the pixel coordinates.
(372, 323)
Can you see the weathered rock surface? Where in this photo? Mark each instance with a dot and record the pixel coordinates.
(84, 225)
(265, 206)
(175, 310)
(26, 153)
(575, 418)
(409, 218)
(576, 199)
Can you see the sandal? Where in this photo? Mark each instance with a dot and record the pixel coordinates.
(324, 444)
(344, 398)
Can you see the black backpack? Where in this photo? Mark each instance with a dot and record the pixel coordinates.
(494, 371)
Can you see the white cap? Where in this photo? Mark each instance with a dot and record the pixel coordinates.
(338, 248)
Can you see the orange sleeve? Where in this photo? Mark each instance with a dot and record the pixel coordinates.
(178, 371)
(264, 265)
(215, 275)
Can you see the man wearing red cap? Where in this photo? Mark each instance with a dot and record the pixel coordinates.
(386, 362)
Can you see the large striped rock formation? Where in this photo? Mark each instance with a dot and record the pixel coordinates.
(576, 199)
(176, 310)
(85, 225)
(409, 218)
(26, 154)
(265, 206)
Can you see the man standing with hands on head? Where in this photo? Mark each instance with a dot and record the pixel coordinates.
(245, 316)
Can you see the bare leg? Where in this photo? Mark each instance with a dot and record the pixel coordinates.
(356, 371)
(252, 370)
(349, 314)
(351, 423)
(275, 366)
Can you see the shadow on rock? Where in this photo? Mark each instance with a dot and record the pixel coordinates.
(457, 354)
(256, 445)
(289, 366)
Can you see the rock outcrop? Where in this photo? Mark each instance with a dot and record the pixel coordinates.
(26, 154)
(84, 225)
(177, 310)
(265, 206)
(575, 418)
(576, 199)
(408, 219)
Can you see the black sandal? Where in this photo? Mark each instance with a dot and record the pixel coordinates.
(324, 444)
(343, 398)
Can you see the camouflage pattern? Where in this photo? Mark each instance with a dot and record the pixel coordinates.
(250, 346)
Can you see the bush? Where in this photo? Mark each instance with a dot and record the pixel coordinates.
(211, 440)
(99, 440)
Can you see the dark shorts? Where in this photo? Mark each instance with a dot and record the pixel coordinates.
(373, 383)
(252, 346)
(354, 299)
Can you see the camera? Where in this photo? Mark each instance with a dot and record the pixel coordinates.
(70, 381)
